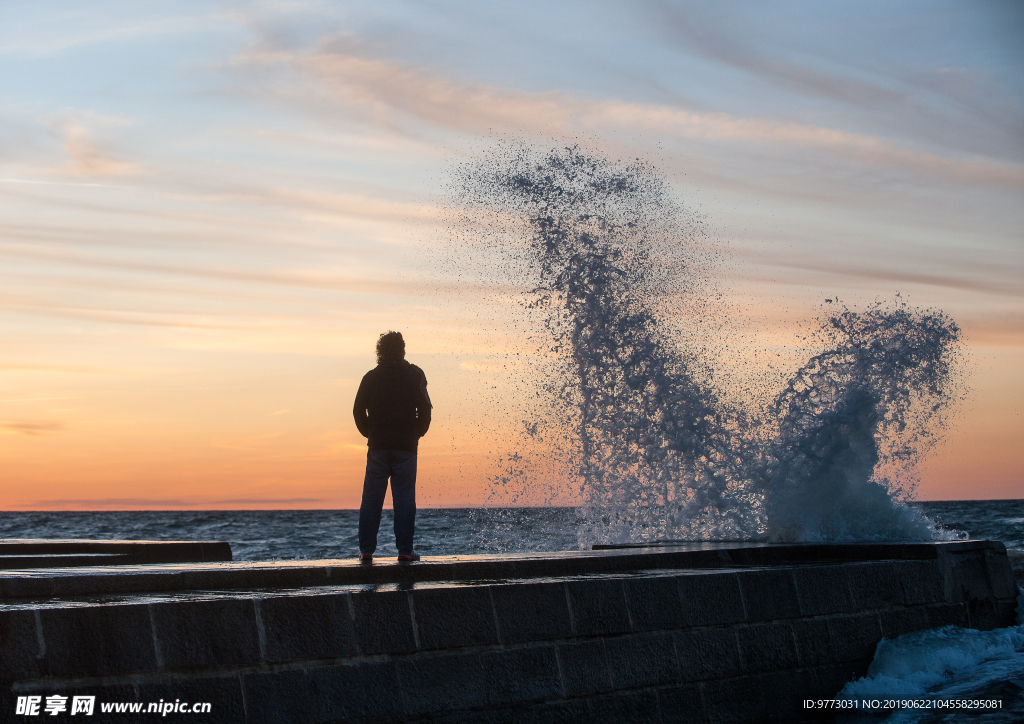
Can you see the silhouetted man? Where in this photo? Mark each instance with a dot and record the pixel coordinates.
(392, 412)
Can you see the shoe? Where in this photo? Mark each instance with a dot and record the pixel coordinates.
(408, 557)
(366, 558)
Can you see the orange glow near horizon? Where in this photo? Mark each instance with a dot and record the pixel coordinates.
(281, 437)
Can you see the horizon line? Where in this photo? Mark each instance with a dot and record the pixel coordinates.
(424, 507)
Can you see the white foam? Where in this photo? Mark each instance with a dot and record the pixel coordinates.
(944, 663)
(911, 665)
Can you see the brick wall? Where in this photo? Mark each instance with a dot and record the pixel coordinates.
(740, 644)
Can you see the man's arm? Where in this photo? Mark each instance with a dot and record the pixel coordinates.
(423, 406)
(359, 409)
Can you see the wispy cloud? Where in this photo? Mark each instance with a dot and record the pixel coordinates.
(299, 279)
(398, 96)
(147, 503)
(85, 158)
(266, 501)
(224, 204)
(698, 29)
(977, 285)
(995, 330)
(246, 442)
(968, 275)
(54, 31)
(31, 429)
(106, 503)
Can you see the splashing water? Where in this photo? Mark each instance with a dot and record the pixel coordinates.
(851, 423)
(660, 453)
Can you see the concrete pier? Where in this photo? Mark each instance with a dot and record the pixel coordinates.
(689, 632)
(43, 553)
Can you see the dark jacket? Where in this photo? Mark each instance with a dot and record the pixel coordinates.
(392, 408)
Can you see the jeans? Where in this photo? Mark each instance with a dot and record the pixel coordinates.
(400, 466)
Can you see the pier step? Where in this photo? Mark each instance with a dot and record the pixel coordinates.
(16, 554)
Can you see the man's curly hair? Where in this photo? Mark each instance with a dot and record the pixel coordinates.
(390, 347)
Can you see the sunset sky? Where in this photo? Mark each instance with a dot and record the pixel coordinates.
(209, 211)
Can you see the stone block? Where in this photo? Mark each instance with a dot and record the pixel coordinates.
(371, 690)
(654, 603)
(452, 617)
(711, 653)
(303, 628)
(984, 615)
(442, 683)
(784, 693)
(584, 668)
(921, 582)
(854, 638)
(223, 693)
(822, 682)
(521, 675)
(19, 646)
(557, 712)
(734, 700)
(947, 614)
(281, 696)
(531, 612)
(88, 584)
(252, 578)
(14, 586)
(597, 607)
(681, 704)
(1006, 613)
(640, 707)
(709, 599)
(646, 659)
(383, 622)
(200, 634)
(898, 621)
(767, 647)
(769, 594)
(824, 590)
(875, 585)
(968, 576)
(1000, 574)
(323, 694)
(813, 642)
(480, 570)
(101, 640)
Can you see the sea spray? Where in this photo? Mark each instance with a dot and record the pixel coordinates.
(853, 421)
(659, 451)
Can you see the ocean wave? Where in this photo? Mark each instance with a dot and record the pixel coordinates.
(948, 663)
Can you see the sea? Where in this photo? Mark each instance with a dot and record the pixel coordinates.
(272, 535)
(946, 664)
